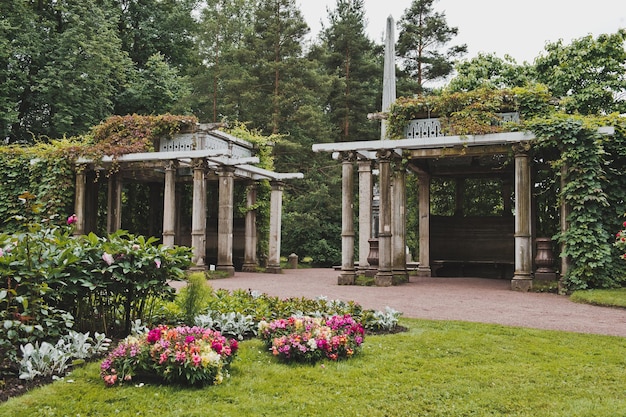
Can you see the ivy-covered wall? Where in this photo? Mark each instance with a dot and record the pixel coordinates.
(37, 176)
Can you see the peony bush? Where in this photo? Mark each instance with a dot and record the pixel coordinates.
(185, 355)
(310, 339)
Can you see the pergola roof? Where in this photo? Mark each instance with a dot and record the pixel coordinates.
(218, 149)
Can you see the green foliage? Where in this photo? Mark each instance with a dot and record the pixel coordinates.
(423, 33)
(595, 203)
(488, 70)
(588, 76)
(469, 113)
(193, 298)
(351, 62)
(52, 281)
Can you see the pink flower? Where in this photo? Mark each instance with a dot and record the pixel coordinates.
(135, 247)
(196, 359)
(72, 219)
(108, 258)
(154, 335)
(157, 262)
(110, 379)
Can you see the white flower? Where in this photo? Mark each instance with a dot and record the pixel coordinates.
(108, 258)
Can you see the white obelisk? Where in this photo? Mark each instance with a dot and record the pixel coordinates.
(389, 73)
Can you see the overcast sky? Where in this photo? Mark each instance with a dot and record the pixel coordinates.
(517, 28)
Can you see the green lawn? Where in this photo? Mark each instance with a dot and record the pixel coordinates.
(609, 298)
(437, 368)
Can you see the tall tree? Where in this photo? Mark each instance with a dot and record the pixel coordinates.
(279, 68)
(353, 62)
(168, 27)
(423, 34)
(488, 70)
(64, 67)
(221, 78)
(589, 75)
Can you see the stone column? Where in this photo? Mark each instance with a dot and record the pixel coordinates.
(80, 200)
(114, 209)
(347, 219)
(365, 211)
(169, 204)
(384, 277)
(198, 215)
(250, 262)
(398, 224)
(225, 220)
(565, 212)
(522, 277)
(424, 269)
(276, 207)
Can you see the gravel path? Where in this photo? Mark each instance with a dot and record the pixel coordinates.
(467, 299)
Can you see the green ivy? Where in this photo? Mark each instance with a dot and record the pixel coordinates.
(594, 192)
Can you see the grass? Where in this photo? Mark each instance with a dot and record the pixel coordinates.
(436, 368)
(608, 298)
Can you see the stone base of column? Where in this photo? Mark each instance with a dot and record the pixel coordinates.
(384, 279)
(422, 271)
(522, 283)
(197, 268)
(400, 277)
(249, 267)
(273, 269)
(346, 278)
(229, 269)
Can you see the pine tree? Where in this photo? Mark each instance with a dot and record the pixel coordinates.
(423, 34)
(353, 62)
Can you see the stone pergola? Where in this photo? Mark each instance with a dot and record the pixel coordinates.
(387, 155)
(198, 158)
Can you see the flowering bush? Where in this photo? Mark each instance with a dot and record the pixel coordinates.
(192, 355)
(309, 339)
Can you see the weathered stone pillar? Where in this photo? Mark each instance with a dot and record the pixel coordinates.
(276, 207)
(398, 224)
(384, 277)
(249, 260)
(198, 214)
(80, 200)
(169, 204)
(347, 219)
(424, 269)
(522, 277)
(225, 220)
(565, 212)
(365, 211)
(114, 209)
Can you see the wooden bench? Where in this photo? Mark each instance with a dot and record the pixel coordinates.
(472, 246)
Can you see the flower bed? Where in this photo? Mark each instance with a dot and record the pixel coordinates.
(187, 355)
(309, 339)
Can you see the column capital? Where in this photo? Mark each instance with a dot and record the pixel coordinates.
(199, 163)
(170, 165)
(277, 185)
(384, 155)
(521, 149)
(226, 171)
(348, 156)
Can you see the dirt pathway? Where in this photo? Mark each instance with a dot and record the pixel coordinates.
(467, 299)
